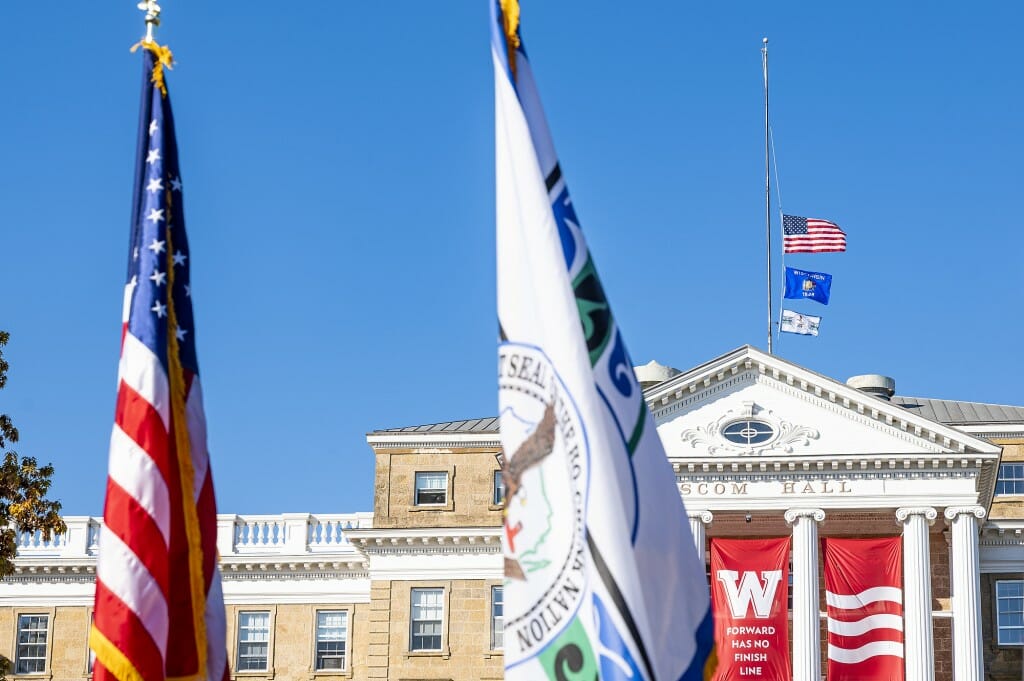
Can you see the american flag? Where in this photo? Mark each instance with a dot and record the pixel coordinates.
(811, 235)
(159, 611)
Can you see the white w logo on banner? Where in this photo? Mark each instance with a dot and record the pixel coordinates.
(750, 590)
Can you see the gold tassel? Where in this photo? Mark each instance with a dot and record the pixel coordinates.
(163, 58)
(510, 18)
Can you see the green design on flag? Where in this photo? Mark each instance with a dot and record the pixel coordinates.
(595, 314)
(570, 657)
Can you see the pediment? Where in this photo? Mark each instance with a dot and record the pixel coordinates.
(749, 404)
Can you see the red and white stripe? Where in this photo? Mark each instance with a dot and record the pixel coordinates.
(143, 589)
(864, 599)
(822, 237)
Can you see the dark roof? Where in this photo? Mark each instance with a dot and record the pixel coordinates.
(955, 413)
(949, 412)
(484, 425)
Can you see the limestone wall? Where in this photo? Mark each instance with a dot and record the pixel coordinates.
(470, 480)
(466, 653)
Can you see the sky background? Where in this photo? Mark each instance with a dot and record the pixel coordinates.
(339, 187)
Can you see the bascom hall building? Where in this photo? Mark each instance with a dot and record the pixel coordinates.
(761, 447)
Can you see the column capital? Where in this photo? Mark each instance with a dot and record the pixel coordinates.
(815, 513)
(704, 516)
(952, 512)
(928, 512)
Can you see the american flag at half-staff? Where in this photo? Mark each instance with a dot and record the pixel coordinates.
(159, 610)
(811, 235)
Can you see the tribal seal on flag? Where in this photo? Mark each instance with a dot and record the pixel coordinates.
(542, 549)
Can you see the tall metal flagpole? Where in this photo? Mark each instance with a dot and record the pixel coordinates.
(767, 190)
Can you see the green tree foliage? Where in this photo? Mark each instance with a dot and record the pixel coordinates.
(23, 503)
(23, 487)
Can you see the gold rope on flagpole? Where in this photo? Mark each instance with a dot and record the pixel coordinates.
(163, 55)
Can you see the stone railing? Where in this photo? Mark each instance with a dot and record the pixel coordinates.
(237, 535)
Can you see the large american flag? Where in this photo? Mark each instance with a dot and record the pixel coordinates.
(159, 611)
(811, 235)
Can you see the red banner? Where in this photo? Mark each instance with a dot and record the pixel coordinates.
(864, 593)
(749, 583)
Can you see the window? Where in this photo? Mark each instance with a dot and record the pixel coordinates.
(253, 641)
(431, 489)
(31, 651)
(499, 489)
(1010, 479)
(748, 432)
(1010, 612)
(331, 639)
(427, 611)
(91, 661)
(497, 620)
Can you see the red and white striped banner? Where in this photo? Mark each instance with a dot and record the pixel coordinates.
(864, 594)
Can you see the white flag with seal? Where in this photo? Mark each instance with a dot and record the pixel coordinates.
(804, 324)
(601, 577)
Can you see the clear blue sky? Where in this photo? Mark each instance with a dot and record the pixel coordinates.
(338, 164)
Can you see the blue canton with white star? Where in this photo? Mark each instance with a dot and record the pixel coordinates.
(158, 242)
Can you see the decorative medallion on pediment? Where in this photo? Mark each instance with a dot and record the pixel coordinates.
(749, 430)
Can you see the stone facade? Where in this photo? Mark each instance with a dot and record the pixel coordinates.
(856, 457)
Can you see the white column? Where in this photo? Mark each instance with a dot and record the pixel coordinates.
(967, 660)
(806, 605)
(699, 520)
(918, 642)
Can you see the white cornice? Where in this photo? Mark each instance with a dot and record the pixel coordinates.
(405, 541)
(1003, 532)
(439, 440)
(262, 568)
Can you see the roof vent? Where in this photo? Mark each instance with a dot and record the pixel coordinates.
(882, 387)
(653, 373)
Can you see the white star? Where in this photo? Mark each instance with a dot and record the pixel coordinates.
(179, 333)
(176, 184)
(156, 246)
(158, 277)
(179, 258)
(159, 308)
(155, 185)
(154, 155)
(188, 290)
(152, 127)
(135, 253)
(155, 214)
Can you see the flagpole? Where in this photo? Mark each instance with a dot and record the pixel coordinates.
(152, 11)
(767, 191)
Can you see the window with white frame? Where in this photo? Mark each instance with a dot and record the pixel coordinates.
(331, 639)
(497, 619)
(30, 655)
(499, 489)
(431, 488)
(426, 619)
(253, 641)
(1010, 479)
(1010, 612)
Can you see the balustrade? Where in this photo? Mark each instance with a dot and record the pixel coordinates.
(249, 535)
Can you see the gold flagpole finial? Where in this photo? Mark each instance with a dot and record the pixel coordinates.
(163, 55)
(152, 11)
